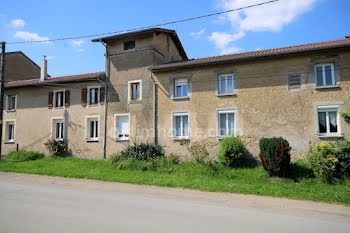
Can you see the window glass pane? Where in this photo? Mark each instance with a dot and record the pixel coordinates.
(222, 124)
(184, 90)
(57, 128)
(92, 96)
(96, 129)
(10, 131)
(222, 88)
(229, 84)
(322, 122)
(319, 76)
(123, 126)
(231, 118)
(138, 91)
(328, 71)
(177, 126)
(185, 125)
(91, 129)
(178, 91)
(333, 127)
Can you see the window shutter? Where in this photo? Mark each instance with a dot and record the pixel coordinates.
(294, 81)
(83, 97)
(102, 95)
(50, 102)
(67, 99)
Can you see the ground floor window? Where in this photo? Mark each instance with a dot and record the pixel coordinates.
(122, 129)
(180, 125)
(59, 129)
(10, 137)
(226, 123)
(328, 119)
(93, 129)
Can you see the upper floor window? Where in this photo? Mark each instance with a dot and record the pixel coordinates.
(93, 96)
(180, 125)
(59, 99)
(226, 123)
(226, 84)
(135, 92)
(181, 87)
(294, 81)
(325, 75)
(328, 120)
(11, 102)
(129, 45)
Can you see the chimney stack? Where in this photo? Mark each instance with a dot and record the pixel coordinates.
(43, 73)
(347, 36)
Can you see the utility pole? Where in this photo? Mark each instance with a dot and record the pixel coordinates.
(2, 88)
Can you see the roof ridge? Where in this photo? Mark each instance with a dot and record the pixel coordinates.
(72, 75)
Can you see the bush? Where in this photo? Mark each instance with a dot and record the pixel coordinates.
(22, 155)
(343, 155)
(230, 151)
(275, 155)
(175, 159)
(57, 148)
(198, 153)
(143, 151)
(160, 164)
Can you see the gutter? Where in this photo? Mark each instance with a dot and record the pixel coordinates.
(155, 128)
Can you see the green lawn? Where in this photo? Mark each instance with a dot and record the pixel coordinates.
(194, 176)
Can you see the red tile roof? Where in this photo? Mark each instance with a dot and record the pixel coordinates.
(53, 80)
(258, 53)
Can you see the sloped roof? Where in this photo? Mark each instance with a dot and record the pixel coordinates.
(54, 80)
(259, 53)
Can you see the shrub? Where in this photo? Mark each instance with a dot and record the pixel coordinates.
(160, 164)
(22, 155)
(275, 155)
(198, 153)
(343, 155)
(143, 151)
(175, 159)
(57, 148)
(113, 159)
(230, 151)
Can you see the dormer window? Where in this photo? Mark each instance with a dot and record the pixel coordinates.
(129, 45)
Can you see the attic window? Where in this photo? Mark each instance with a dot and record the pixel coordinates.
(129, 45)
(294, 81)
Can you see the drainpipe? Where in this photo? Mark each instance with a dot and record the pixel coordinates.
(107, 68)
(155, 129)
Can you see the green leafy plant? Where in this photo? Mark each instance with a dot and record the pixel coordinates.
(275, 156)
(346, 115)
(230, 151)
(22, 155)
(57, 148)
(198, 153)
(184, 141)
(143, 151)
(175, 159)
(343, 155)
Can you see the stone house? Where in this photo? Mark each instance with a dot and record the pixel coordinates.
(151, 92)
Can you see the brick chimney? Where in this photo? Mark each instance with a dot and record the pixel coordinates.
(43, 71)
(347, 36)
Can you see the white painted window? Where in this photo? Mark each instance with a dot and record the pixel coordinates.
(328, 120)
(181, 87)
(59, 99)
(59, 129)
(122, 130)
(180, 125)
(11, 102)
(226, 123)
(94, 94)
(226, 84)
(324, 75)
(10, 131)
(92, 129)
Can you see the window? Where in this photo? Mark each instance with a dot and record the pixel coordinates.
(59, 129)
(11, 102)
(135, 92)
(328, 122)
(59, 99)
(93, 129)
(325, 75)
(294, 81)
(226, 85)
(181, 87)
(129, 45)
(180, 125)
(93, 96)
(226, 123)
(122, 129)
(10, 131)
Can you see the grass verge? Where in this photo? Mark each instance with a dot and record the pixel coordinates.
(192, 175)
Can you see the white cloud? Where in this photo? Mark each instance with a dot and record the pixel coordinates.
(270, 17)
(232, 49)
(78, 43)
(197, 34)
(29, 36)
(18, 23)
(50, 57)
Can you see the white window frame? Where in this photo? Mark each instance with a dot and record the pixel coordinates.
(327, 109)
(98, 95)
(233, 84)
(182, 89)
(226, 111)
(8, 103)
(55, 99)
(116, 135)
(95, 137)
(323, 65)
(54, 129)
(130, 90)
(6, 127)
(181, 114)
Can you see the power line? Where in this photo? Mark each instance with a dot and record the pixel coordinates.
(145, 27)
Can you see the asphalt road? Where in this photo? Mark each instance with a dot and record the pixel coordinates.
(43, 204)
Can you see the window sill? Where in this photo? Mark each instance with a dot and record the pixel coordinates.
(135, 101)
(335, 135)
(180, 138)
(10, 142)
(93, 105)
(227, 94)
(58, 108)
(327, 87)
(181, 98)
(11, 111)
(121, 139)
(91, 140)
